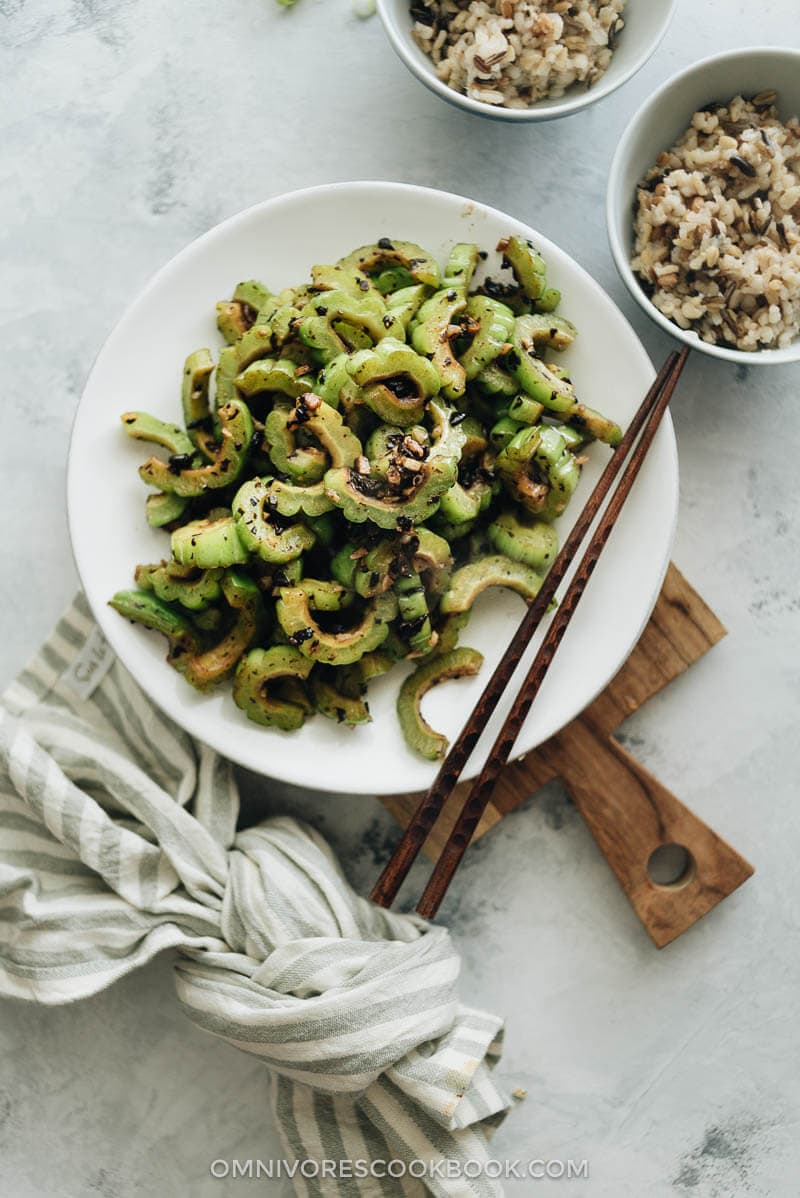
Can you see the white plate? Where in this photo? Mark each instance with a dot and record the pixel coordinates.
(140, 367)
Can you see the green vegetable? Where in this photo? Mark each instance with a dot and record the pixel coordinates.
(404, 304)
(349, 279)
(553, 331)
(528, 266)
(549, 300)
(574, 438)
(325, 322)
(524, 410)
(394, 278)
(152, 612)
(209, 543)
(232, 321)
(325, 594)
(496, 323)
(455, 532)
(594, 424)
(432, 332)
(502, 432)
(335, 385)
(372, 259)
(293, 610)
(228, 367)
(261, 532)
(370, 666)
(327, 426)
(143, 427)
(274, 330)
(197, 371)
(290, 500)
(333, 703)
(475, 438)
(164, 509)
(362, 497)
(267, 334)
(460, 267)
(206, 669)
(433, 559)
(462, 503)
(252, 293)
(417, 731)
(186, 585)
(325, 528)
(538, 471)
(415, 624)
(493, 571)
(395, 381)
(449, 631)
(495, 380)
(368, 572)
(381, 446)
(537, 379)
(255, 677)
(236, 433)
(303, 463)
(529, 541)
(269, 374)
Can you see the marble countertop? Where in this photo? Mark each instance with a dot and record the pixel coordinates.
(129, 128)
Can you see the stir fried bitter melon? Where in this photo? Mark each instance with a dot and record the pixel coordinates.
(379, 446)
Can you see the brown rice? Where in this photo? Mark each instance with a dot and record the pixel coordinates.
(717, 235)
(515, 52)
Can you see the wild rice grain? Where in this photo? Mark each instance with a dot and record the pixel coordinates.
(511, 53)
(717, 226)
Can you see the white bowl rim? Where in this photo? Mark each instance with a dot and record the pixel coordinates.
(564, 107)
(219, 230)
(742, 357)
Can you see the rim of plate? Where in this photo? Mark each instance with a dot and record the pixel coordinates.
(190, 719)
(401, 42)
(621, 255)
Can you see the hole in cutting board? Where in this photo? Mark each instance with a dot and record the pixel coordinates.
(670, 865)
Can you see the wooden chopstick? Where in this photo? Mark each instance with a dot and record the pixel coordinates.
(481, 792)
(393, 875)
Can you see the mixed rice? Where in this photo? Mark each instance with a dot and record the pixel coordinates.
(515, 52)
(717, 227)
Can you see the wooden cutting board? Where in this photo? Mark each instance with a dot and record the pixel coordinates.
(629, 812)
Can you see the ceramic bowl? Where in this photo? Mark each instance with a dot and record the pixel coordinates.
(657, 125)
(646, 22)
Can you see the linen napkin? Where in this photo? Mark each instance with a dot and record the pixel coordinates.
(118, 839)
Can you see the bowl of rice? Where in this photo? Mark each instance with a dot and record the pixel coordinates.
(524, 60)
(703, 206)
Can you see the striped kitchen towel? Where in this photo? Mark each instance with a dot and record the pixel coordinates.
(118, 839)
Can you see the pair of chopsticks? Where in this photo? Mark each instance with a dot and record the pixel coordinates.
(646, 421)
